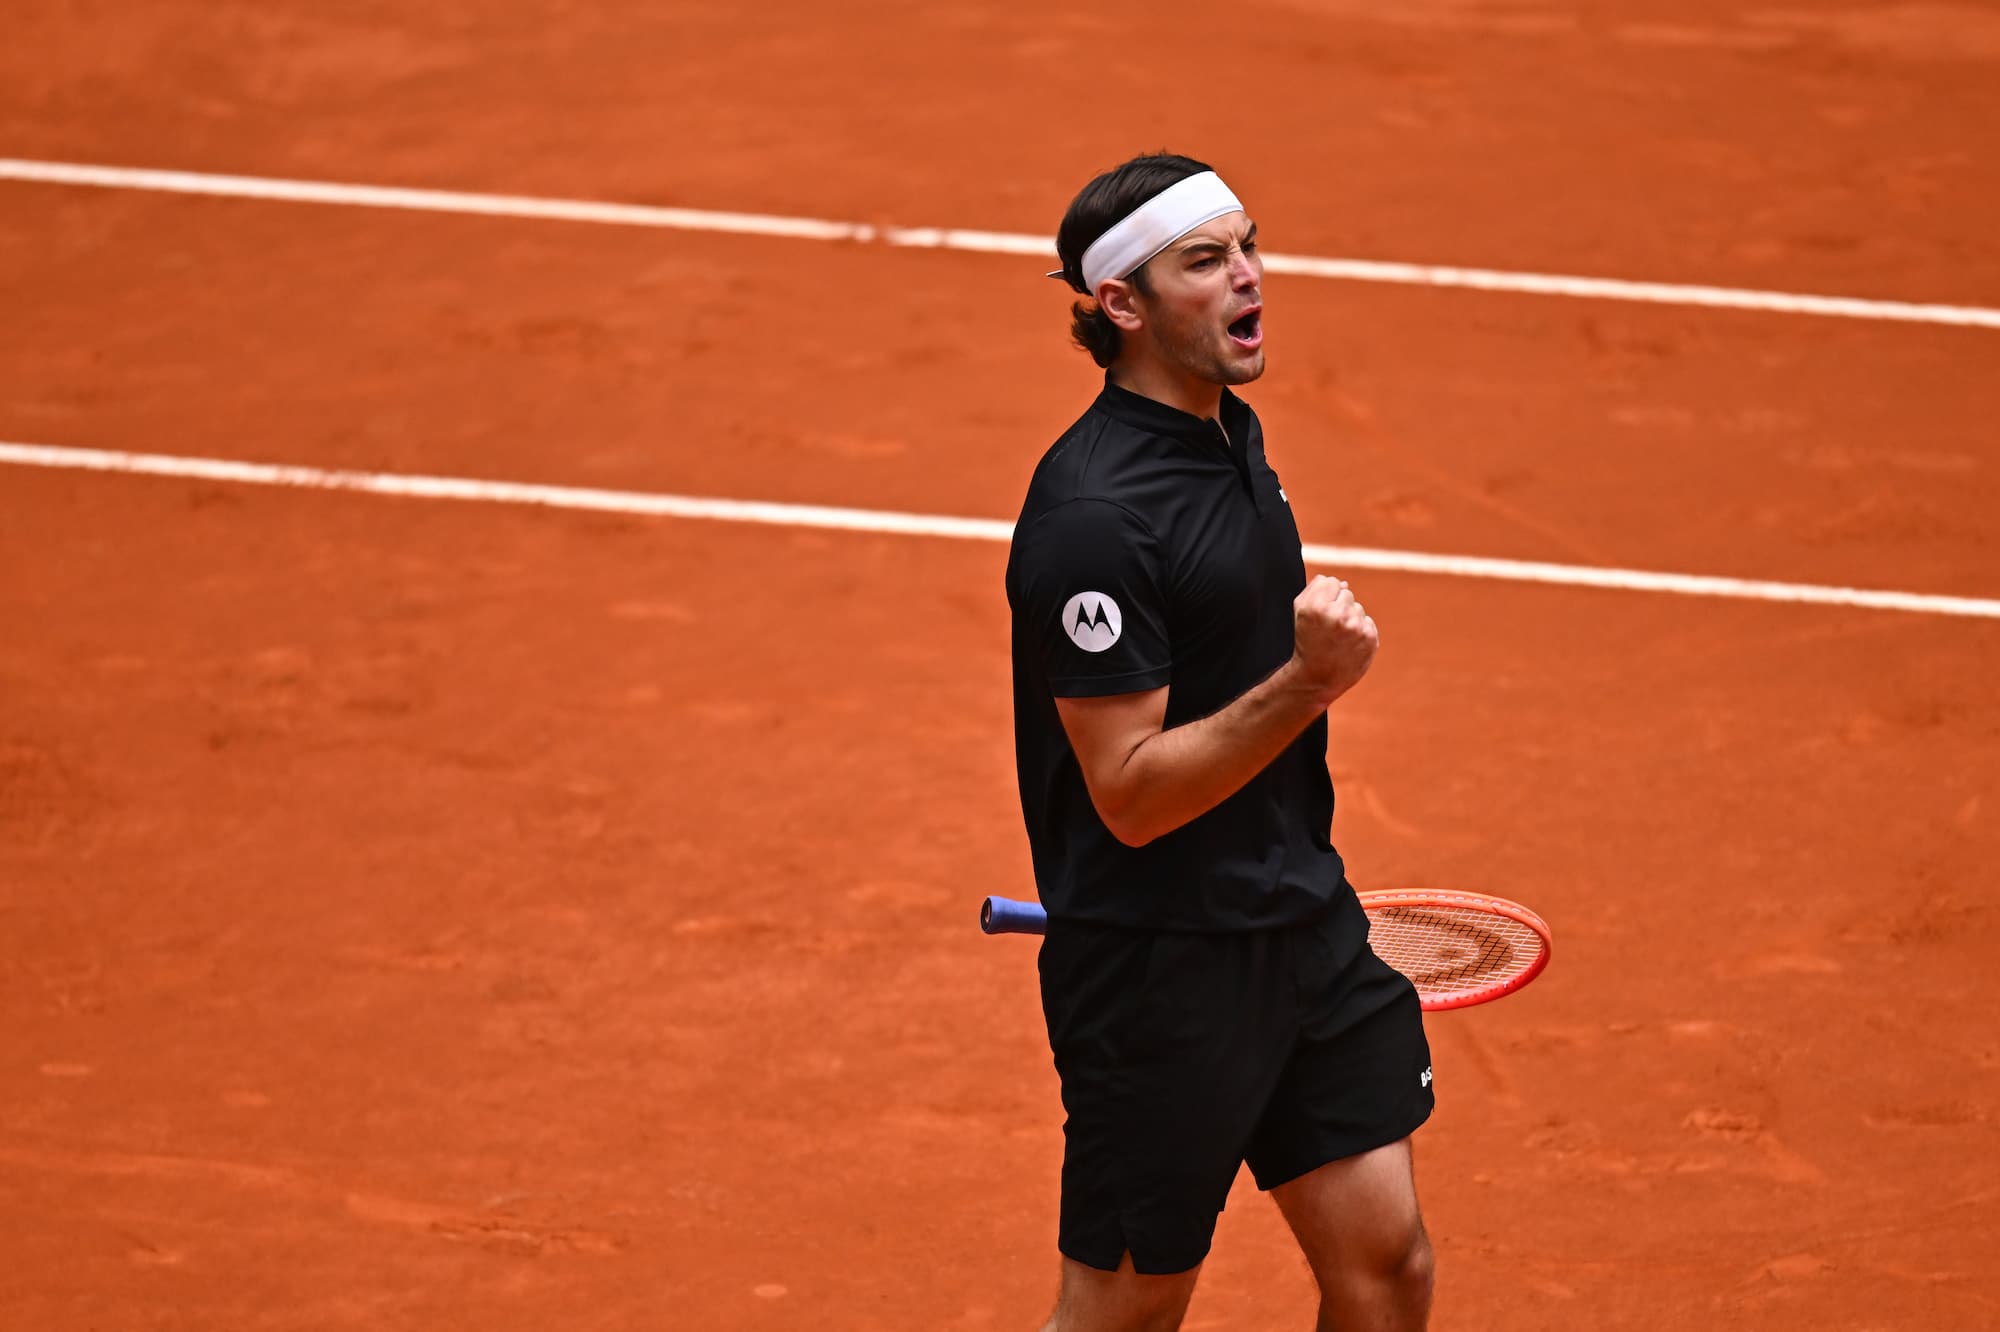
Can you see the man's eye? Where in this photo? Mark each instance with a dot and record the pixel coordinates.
(1205, 263)
(1250, 247)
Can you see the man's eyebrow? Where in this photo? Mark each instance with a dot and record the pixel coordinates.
(1201, 243)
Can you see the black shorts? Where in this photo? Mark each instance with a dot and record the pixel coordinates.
(1182, 1056)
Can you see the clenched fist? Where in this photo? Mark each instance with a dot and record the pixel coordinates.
(1334, 640)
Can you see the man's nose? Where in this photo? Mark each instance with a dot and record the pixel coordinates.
(1243, 271)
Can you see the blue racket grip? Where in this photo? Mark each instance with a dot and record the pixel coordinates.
(1004, 915)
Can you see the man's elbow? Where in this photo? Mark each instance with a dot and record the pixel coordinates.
(1132, 834)
(1127, 799)
(1127, 824)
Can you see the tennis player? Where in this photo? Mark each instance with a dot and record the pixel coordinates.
(1210, 994)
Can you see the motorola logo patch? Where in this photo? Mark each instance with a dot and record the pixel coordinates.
(1092, 621)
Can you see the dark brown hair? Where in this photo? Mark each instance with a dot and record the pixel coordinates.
(1098, 207)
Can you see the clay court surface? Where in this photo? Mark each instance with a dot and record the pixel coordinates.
(436, 915)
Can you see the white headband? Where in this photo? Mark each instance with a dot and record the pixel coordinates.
(1154, 225)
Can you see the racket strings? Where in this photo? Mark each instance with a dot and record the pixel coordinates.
(1448, 951)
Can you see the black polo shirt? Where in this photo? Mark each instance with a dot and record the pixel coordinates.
(1154, 549)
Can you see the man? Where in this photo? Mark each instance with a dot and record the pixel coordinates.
(1210, 994)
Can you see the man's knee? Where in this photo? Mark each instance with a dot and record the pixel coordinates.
(1398, 1268)
(1416, 1274)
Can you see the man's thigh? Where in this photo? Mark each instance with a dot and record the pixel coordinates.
(1355, 1214)
(1333, 1148)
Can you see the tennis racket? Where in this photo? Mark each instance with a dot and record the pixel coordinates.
(1458, 949)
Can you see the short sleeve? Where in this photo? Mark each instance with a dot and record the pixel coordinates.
(1090, 600)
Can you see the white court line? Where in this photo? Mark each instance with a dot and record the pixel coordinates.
(935, 525)
(975, 242)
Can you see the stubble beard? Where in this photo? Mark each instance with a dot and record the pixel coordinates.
(1193, 347)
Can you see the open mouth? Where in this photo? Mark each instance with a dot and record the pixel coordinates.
(1248, 329)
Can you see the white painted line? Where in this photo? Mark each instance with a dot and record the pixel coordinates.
(1641, 580)
(506, 492)
(1656, 293)
(966, 529)
(974, 242)
(429, 201)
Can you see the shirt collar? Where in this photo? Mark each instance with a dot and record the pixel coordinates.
(1158, 418)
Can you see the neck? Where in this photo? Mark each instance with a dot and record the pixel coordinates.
(1150, 378)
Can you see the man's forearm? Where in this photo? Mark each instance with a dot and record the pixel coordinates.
(1177, 775)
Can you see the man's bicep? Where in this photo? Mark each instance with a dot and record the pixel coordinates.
(1103, 732)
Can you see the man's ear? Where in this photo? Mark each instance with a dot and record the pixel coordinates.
(1119, 300)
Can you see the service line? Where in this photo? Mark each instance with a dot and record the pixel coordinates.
(972, 242)
(938, 525)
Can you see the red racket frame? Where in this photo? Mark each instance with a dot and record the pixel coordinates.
(1499, 906)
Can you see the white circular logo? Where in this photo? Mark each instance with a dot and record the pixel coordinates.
(1092, 621)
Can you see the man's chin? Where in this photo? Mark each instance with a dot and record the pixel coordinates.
(1244, 369)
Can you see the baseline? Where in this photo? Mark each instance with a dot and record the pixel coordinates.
(972, 241)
